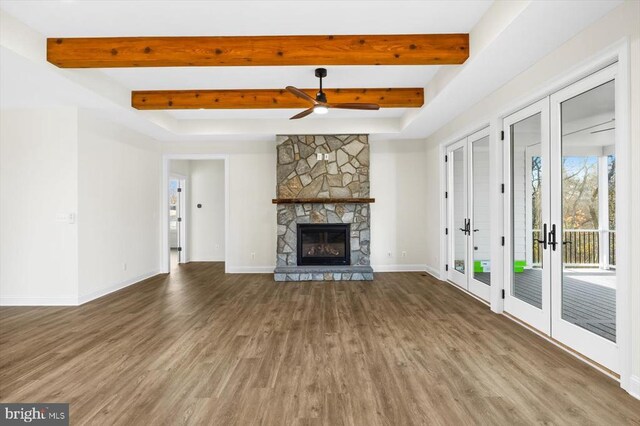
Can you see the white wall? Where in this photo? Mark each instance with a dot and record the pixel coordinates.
(118, 199)
(205, 227)
(398, 218)
(38, 182)
(621, 23)
(61, 161)
(400, 214)
(433, 228)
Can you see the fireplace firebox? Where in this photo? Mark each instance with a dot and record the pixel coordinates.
(324, 244)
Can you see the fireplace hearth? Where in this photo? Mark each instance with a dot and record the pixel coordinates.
(323, 244)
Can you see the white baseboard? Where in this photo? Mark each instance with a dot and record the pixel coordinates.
(634, 387)
(434, 272)
(203, 260)
(38, 301)
(376, 268)
(399, 268)
(250, 269)
(100, 293)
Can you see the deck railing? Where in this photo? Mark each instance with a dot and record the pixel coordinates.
(580, 247)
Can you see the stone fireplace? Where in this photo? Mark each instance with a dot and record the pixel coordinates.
(323, 211)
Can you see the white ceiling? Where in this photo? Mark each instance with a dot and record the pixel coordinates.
(207, 114)
(173, 18)
(452, 88)
(175, 78)
(95, 18)
(270, 77)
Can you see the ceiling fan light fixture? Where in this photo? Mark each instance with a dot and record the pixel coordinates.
(320, 109)
(319, 105)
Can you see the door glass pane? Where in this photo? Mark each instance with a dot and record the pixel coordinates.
(459, 211)
(481, 219)
(588, 211)
(527, 210)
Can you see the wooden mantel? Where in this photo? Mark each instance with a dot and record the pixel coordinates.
(323, 200)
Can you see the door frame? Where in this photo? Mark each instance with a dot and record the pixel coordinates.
(598, 348)
(164, 201)
(529, 314)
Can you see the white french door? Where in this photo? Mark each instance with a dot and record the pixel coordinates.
(584, 296)
(457, 265)
(468, 214)
(527, 273)
(560, 216)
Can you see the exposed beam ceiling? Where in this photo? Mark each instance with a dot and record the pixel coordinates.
(271, 98)
(505, 42)
(114, 52)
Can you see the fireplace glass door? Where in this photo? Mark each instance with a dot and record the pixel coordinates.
(323, 244)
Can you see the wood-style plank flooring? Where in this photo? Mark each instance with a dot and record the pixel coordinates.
(201, 347)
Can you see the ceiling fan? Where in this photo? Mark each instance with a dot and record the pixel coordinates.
(319, 105)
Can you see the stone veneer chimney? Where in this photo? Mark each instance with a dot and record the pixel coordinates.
(301, 175)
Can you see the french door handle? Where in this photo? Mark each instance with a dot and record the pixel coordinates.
(552, 237)
(543, 241)
(466, 227)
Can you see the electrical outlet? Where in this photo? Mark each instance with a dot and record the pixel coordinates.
(124, 266)
(319, 156)
(404, 254)
(253, 256)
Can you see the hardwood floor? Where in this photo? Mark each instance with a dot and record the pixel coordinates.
(201, 347)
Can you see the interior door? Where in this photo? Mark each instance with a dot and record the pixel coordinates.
(527, 266)
(458, 227)
(582, 240)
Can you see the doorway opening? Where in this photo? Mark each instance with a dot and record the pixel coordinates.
(195, 216)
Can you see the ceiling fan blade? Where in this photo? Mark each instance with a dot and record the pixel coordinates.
(355, 106)
(302, 95)
(302, 114)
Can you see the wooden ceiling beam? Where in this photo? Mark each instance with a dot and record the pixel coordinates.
(114, 52)
(271, 98)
